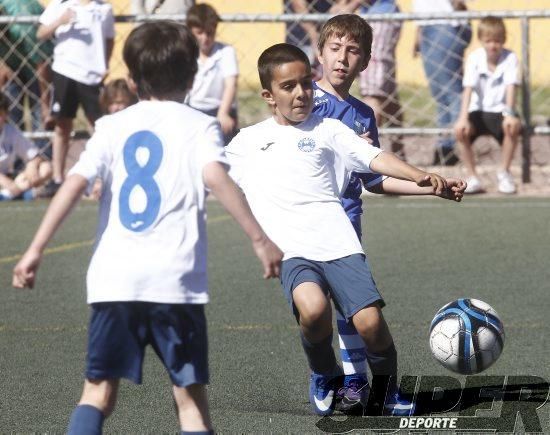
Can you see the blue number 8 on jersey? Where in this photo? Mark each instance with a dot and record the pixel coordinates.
(140, 176)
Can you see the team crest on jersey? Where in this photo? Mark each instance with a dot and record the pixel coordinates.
(306, 144)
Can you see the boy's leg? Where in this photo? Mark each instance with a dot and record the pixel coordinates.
(60, 147)
(192, 405)
(97, 403)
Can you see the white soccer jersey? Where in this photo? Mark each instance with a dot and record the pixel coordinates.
(208, 86)
(13, 145)
(293, 177)
(151, 237)
(80, 51)
(489, 87)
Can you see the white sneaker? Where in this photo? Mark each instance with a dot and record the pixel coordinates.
(506, 182)
(474, 185)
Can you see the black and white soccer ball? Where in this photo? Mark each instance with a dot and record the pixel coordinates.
(466, 336)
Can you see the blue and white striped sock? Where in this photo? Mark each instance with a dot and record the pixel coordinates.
(352, 347)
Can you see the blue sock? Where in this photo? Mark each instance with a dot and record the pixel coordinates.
(86, 420)
(383, 366)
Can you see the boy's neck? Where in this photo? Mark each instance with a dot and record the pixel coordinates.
(340, 92)
(176, 97)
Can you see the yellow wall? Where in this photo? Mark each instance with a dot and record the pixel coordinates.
(250, 39)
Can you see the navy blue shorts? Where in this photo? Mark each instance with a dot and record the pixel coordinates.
(347, 280)
(120, 331)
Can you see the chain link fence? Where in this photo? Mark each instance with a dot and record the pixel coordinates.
(252, 26)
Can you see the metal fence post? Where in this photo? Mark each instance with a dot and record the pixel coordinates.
(525, 103)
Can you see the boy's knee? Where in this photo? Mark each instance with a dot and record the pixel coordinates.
(314, 312)
(370, 325)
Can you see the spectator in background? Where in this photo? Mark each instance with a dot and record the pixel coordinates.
(441, 44)
(304, 34)
(116, 96)
(488, 103)
(214, 90)
(84, 37)
(161, 6)
(36, 170)
(26, 72)
(378, 82)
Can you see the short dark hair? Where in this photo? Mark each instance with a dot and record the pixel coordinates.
(350, 25)
(4, 102)
(162, 58)
(275, 56)
(203, 16)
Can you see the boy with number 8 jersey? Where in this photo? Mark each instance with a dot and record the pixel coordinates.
(147, 280)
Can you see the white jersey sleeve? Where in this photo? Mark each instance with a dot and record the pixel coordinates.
(236, 154)
(211, 147)
(354, 154)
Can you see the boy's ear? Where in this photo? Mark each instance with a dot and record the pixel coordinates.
(268, 97)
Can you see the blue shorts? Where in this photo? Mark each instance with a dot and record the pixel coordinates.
(120, 331)
(347, 280)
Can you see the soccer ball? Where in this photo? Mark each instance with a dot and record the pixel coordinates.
(466, 336)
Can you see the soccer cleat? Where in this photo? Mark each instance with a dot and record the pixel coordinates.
(322, 393)
(506, 182)
(398, 406)
(353, 396)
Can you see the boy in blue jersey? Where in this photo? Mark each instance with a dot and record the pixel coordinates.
(147, 281)
(344, 51)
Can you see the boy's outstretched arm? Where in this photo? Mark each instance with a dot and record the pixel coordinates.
(230, 196)
(393, 186)
(24, 273)
(388, 164)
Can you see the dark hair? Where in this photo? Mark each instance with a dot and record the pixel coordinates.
(350, 25)
(162, 58)
(275, 56)
(203, 16)
(112, 90)
(4, 102)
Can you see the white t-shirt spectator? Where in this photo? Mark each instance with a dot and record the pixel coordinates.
(293, 178)
(489, 87)
(80, 46)
(433, 7)
(208, 86)
(14, 145)
(151, 237)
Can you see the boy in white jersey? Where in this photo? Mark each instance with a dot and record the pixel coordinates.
(293, 169)
(147, 277)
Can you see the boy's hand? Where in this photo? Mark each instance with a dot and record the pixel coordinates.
(437, 182)
(67, 17)
(270, 255)
(463, 129)
(24, 272)
(367, 137)
(511, 125)
(454, 190)
(227, 123)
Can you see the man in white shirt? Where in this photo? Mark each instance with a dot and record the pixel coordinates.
(147, 277)
(84, 37)
(293, 169)
(490, 83)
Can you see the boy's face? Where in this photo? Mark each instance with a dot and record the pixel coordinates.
(205, 38)
(118, 103)
(291, 95)
(342, 59)
(493, 43)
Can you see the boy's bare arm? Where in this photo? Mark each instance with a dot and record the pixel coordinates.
(228, 193)
(388, 164)
(228, 96)
(24, 273)
(393, 186)
(462, 126)
(46, 31)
